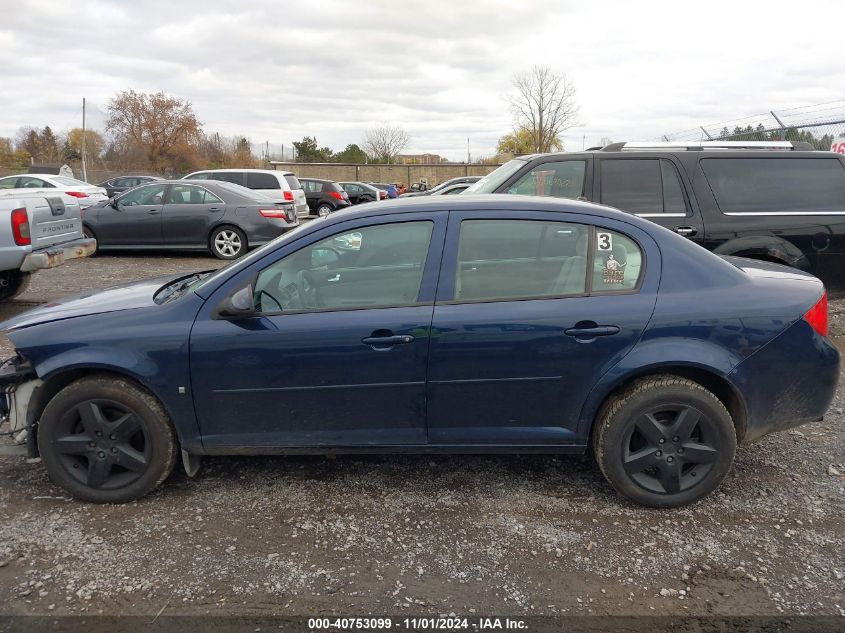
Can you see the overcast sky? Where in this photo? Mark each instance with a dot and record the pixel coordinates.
(278, 70)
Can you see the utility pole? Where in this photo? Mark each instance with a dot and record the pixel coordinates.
(467, 150)
(84, 170)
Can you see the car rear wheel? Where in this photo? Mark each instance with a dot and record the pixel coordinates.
(12, 283)
(324, 209)
(106, 440)
(228, 242)
(665, 441)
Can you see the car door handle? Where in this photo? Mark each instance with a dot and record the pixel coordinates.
(384, 342)
(686, 231)
(214, 209)
(153, 211)
(590, 332)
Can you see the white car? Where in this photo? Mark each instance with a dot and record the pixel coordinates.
(48, 183)
(280, 186)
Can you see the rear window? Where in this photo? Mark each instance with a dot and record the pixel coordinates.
(293, 182)
(776, 185)
(257, 180)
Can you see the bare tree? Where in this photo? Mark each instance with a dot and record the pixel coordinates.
(382, 144)
(544, 105)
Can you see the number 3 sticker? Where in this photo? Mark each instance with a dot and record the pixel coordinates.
(605, 241)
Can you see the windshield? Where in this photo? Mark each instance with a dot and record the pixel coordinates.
(491, 181)
(258, 253)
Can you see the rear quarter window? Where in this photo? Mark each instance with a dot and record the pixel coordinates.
(293, 181)
(776, 185)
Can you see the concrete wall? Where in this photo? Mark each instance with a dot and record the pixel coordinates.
(402, 174)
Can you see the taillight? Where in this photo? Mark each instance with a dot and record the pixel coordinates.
(77, 194)
(336, 195)
(20, 227)
(817, 315)
(289, 196)
(274, 213)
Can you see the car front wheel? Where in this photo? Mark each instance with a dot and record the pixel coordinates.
(665, 441)
(228, 242)
(106, 440)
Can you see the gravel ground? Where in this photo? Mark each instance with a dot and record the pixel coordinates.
(408, 535)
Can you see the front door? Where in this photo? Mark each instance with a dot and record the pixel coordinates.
(336, 353)
(531, 311)
(136, 220)
(189, 214)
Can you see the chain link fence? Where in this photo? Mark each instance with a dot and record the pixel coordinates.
(818, 125)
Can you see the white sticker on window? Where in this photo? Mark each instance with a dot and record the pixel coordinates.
(604, 241)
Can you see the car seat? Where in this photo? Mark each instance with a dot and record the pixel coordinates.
(573, 272)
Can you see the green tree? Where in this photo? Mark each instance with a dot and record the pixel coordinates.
(11, 158)
(352, 154)
(521, 141)
(307, 151)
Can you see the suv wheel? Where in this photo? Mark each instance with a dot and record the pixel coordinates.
(324, 209)
(12, 283)
(106, 440)
(665, 441)
(228, 242)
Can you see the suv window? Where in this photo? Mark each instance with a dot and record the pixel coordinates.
(642, 185)
(235, 177)
(617, 264)
(772, 185)
(564, 179)
(257, 180)
(203, 175)
(149, 194)
(372, 267)
(293, 182)
(518, 259)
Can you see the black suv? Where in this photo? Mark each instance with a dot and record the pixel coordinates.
(775, 201)
(324, 196)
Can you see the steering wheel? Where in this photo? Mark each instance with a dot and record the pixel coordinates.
(307, 290)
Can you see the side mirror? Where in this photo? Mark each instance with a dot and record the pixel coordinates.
(113, 203)
(238, 305)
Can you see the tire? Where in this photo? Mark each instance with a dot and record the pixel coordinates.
(324, 209)
(13, 283)
(227, 242)
(87, 232)
(664, 442)
(122, 449)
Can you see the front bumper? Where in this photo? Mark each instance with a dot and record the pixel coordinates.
(57, 255)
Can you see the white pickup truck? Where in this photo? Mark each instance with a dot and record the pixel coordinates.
(37, 231)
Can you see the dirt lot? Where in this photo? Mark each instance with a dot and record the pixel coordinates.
(422, 534)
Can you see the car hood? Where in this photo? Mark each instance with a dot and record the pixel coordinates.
(126, 297)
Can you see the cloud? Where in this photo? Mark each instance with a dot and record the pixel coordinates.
(276, 71)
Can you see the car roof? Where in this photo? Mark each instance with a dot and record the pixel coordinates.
(315, 179)
(249, 169)
(491, 202)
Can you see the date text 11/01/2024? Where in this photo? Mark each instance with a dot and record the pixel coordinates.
(417, 624)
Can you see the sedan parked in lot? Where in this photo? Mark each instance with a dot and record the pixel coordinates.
(324, 196)
(47, 184)
(212, 215)
(122, 183)
(360, 192)
(470, 323)
(450, 184)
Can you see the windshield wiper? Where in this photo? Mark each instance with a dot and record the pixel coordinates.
(178, 287)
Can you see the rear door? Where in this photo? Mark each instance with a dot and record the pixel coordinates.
(189, 214)
(653, 187)
(532, 309)
(135, 220)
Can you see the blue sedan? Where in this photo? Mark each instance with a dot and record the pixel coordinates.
(459, 324)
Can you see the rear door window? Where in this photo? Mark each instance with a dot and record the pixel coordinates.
(776, 185)
(563, 179)
(519, 259)
(642, 185)
(257, 180)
